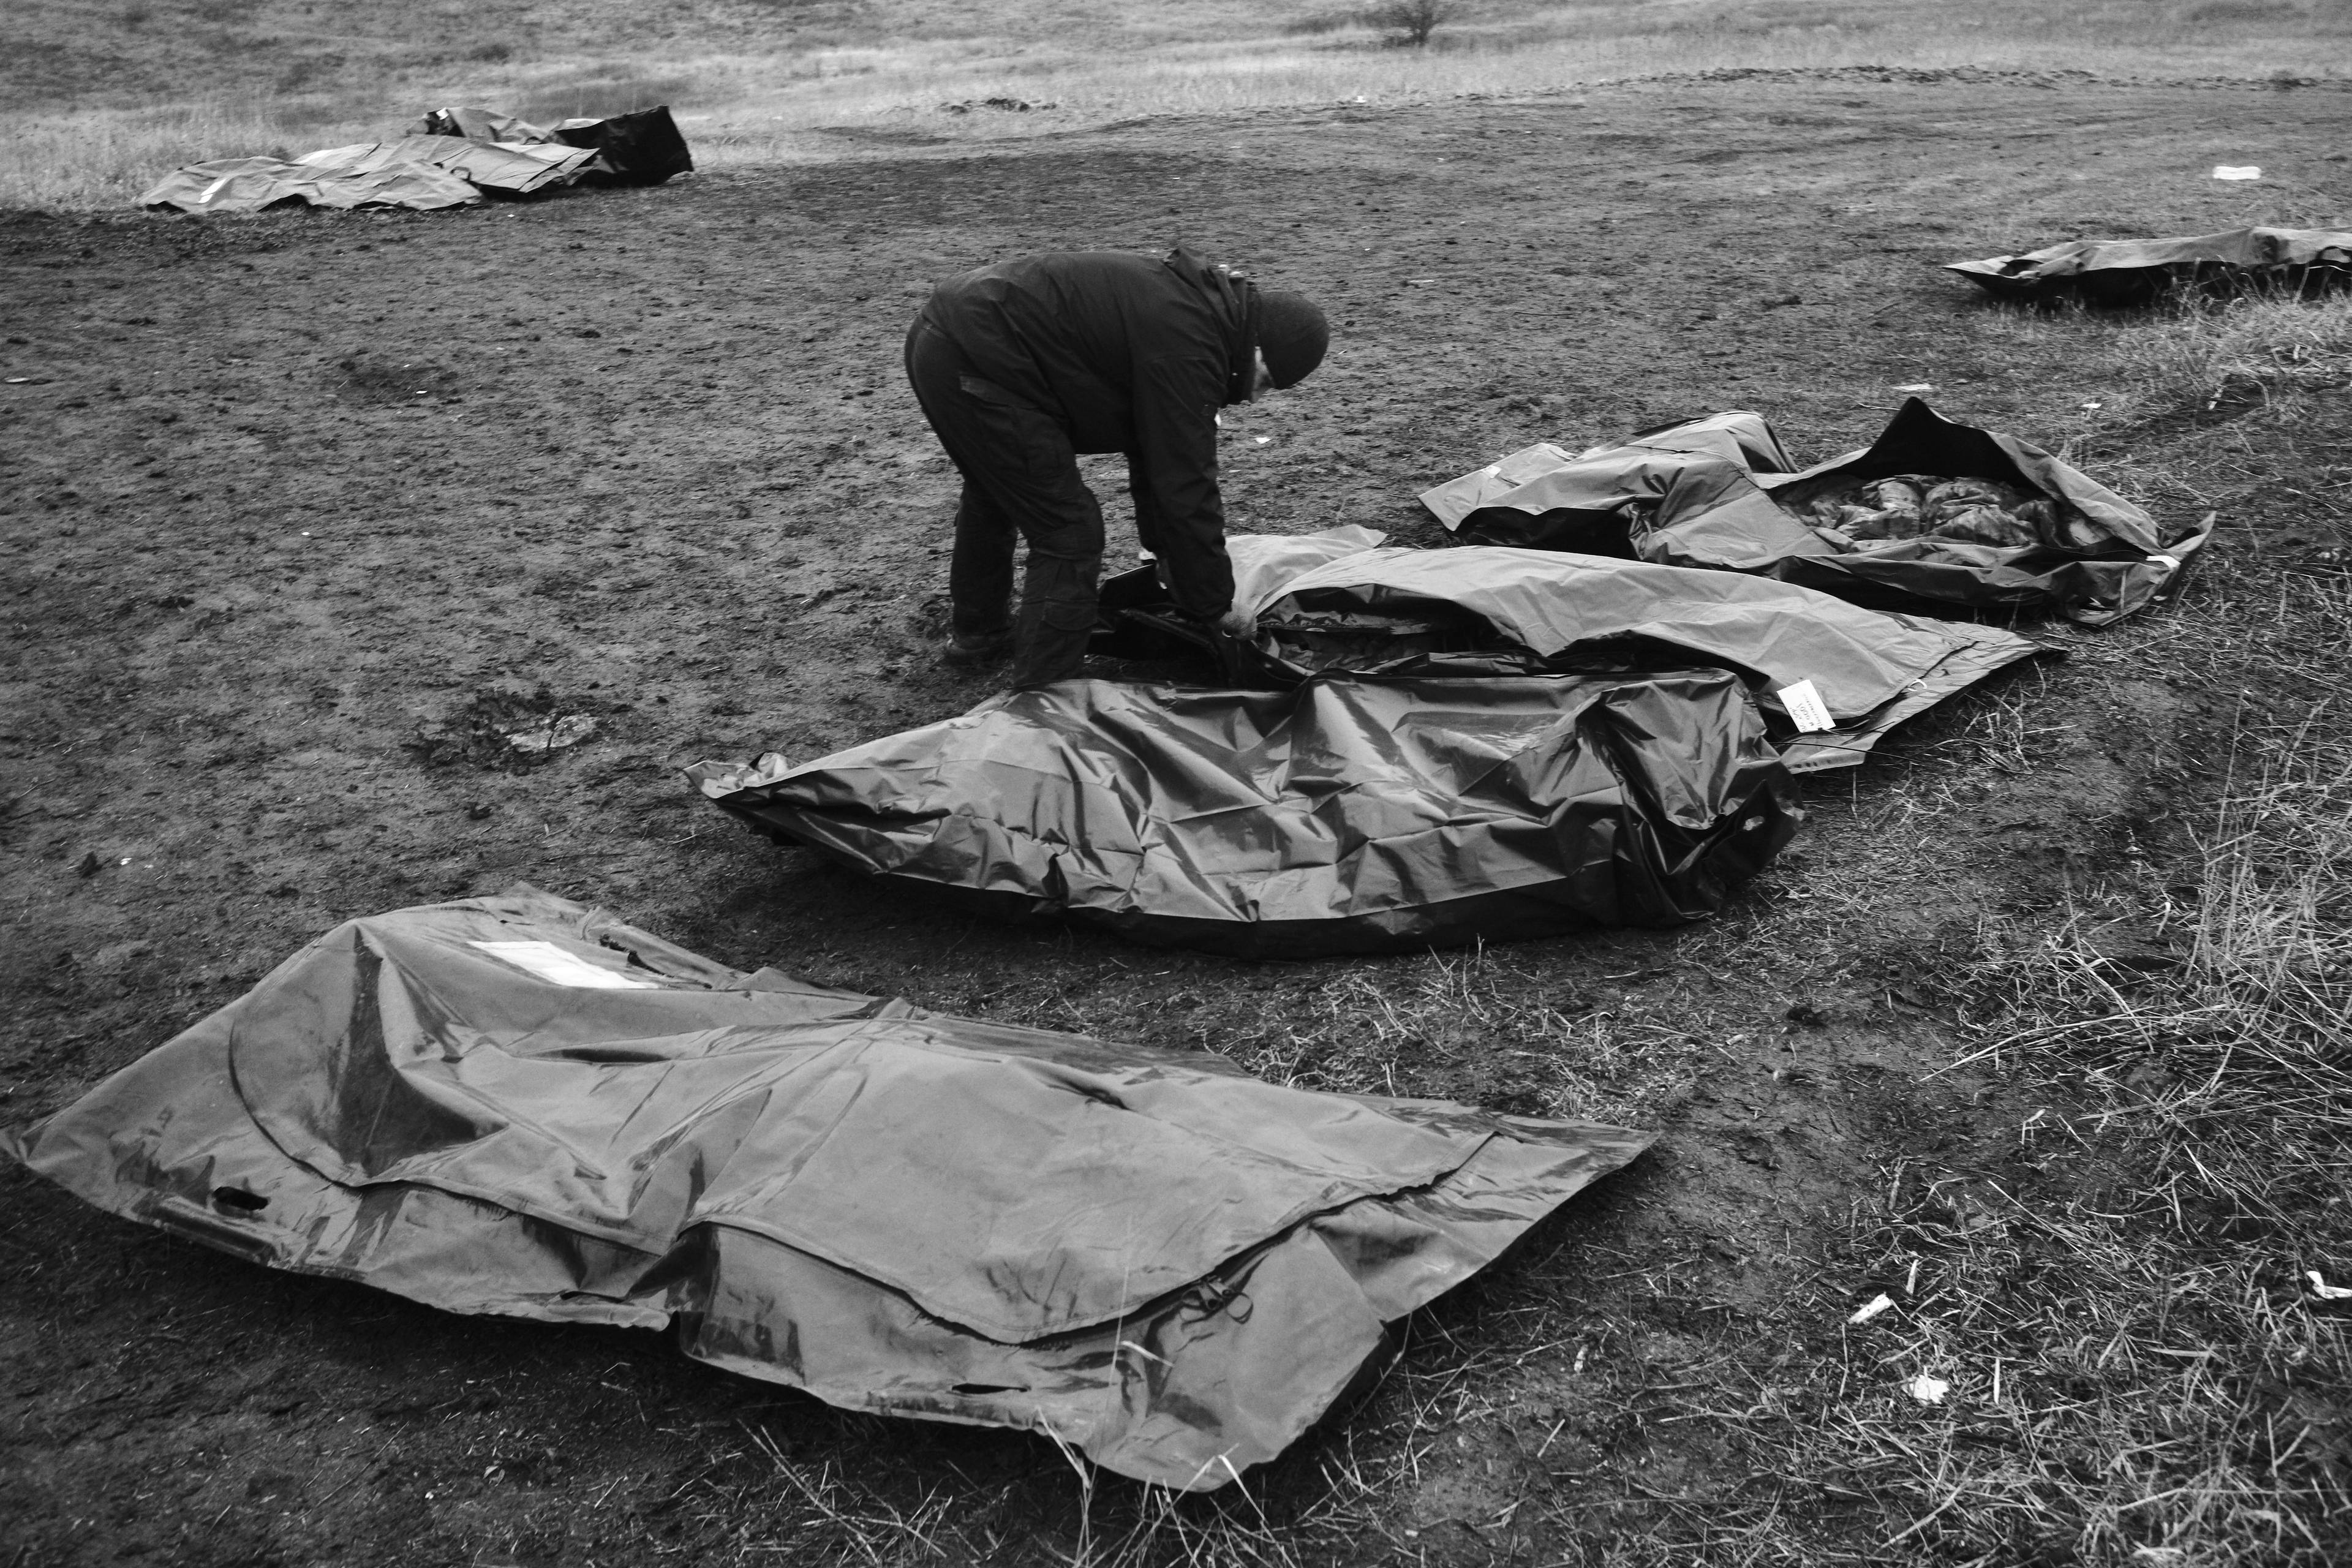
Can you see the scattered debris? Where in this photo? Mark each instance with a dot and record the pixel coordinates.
(382, 383)
(1871, 1308)
(552, 734)
(499, 730)
(2134, 271)
(1005, 105)
(1166, 1264)
(1928, 1389)
(2237, 170)
(2321, 1290)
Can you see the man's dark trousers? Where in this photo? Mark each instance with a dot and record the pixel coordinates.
(1020, 480)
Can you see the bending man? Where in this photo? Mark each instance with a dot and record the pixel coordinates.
(1022, 366)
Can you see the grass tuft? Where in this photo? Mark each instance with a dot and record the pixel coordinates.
(2258, 349)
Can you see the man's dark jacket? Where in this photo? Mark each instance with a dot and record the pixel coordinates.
(1132, 355)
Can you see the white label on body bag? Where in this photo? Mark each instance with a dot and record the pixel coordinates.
(549, 963)
(1805, 707)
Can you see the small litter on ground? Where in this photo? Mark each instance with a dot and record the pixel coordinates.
(1928, 1389)
(504, 731)
(552, 734)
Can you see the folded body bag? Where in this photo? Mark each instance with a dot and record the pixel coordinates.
(1335, 602)
(518, 1105)
(1340, 816)
(1595, 502)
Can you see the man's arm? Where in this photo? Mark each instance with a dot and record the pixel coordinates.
(1173, 476)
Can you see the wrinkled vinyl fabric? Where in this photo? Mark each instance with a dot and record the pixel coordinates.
(640, 148)
(250, 185)
(1593, 502)
(476, 125)
(1341, 815)
(422, 172)
(1698, 495)
(515, 168)
(1335, 603)
(2134, 271)
(519, 1105)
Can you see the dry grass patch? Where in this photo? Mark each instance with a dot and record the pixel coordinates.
(2115, 1352)
(2136, 1364)
(2261, 350)
(105, 105)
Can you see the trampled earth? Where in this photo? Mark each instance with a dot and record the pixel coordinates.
(290, 500)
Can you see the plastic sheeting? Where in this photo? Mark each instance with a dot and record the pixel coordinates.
(518, 168)
(1336, 603)
(475, 124)
(1548, 498)
(2134, 271)
(521, 1106)
(455, 156)
(1715, 494)
(422, 173)
(250, 185)
(1340, 816)
(640, 148)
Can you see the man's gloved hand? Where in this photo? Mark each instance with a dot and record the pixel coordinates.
(1238, 623)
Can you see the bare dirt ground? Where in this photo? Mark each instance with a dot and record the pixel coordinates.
(281, 494)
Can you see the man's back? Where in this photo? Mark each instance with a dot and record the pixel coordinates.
(1074, 334)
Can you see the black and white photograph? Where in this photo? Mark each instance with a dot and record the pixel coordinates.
(1453, 784)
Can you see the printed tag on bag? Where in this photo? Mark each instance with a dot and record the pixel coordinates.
(549, 963)
(1805, 707)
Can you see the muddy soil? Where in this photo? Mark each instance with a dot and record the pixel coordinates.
(299, 508)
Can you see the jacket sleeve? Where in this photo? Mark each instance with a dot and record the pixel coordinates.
(1172, 472)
